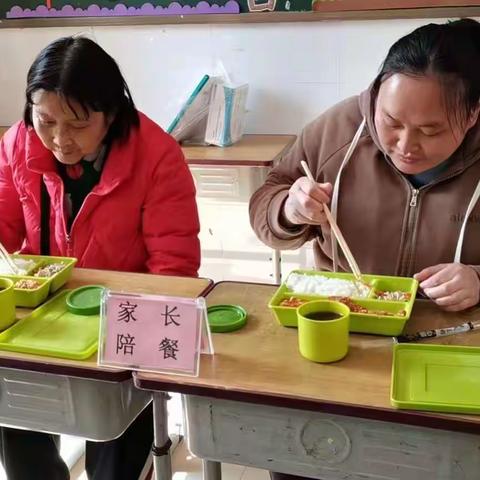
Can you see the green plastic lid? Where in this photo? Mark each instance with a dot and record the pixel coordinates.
(85, 300)
(226, 318)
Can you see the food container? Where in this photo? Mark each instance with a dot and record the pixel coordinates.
(32, 297)
(323, 330)
(439, 378)
(7, 303)
(376, 316)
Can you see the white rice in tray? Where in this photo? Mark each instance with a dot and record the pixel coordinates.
(23, 265)
(326, 286)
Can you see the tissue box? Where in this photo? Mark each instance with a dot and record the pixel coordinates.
(226, 115)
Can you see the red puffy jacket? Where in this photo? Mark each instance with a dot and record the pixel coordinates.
(140, 217)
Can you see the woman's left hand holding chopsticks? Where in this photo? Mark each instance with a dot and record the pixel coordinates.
(452, 286)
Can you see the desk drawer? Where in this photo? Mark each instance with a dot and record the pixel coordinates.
(330, 447)
(93, 409)
(228, 183)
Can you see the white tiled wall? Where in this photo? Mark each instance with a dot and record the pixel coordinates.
(295, 71)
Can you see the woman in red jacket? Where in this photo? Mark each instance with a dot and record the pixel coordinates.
(85, 174)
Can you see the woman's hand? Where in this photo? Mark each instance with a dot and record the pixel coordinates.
(452, 286)
(304, 204)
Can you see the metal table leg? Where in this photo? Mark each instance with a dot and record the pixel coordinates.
(161, 449)
(212, 470)
(277, 270)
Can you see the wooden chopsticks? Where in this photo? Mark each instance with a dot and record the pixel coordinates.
(336, 231)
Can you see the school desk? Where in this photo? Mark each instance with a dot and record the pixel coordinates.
(257, 402)
(78, 397)
(230, 175)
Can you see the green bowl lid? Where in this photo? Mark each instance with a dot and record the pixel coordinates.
(226, 318)
(85, 300)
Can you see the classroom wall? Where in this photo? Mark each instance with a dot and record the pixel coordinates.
(295, 70)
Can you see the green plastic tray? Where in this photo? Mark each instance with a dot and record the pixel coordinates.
(390, 325)
(53, 331)
(440, 378)
(33, 298)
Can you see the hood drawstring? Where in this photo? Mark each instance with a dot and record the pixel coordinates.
(336, 187)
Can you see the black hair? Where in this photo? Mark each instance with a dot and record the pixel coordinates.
(449, 51)
(78, 69)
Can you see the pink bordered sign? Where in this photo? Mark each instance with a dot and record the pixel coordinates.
(153, 333)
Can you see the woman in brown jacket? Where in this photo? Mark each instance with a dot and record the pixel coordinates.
(399, 166)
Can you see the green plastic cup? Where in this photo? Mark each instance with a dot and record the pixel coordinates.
(323, 330)
(7, 303)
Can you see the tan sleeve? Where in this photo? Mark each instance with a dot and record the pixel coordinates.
(317, 143)
(267, 203)
(476, 268)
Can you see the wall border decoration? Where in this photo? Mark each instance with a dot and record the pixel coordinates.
(121, 10)
(364, 5)
(58, 13)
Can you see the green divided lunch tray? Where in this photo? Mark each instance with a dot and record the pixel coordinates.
(30, 298)
(53, 331)
(380, 317)
(440, 378)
